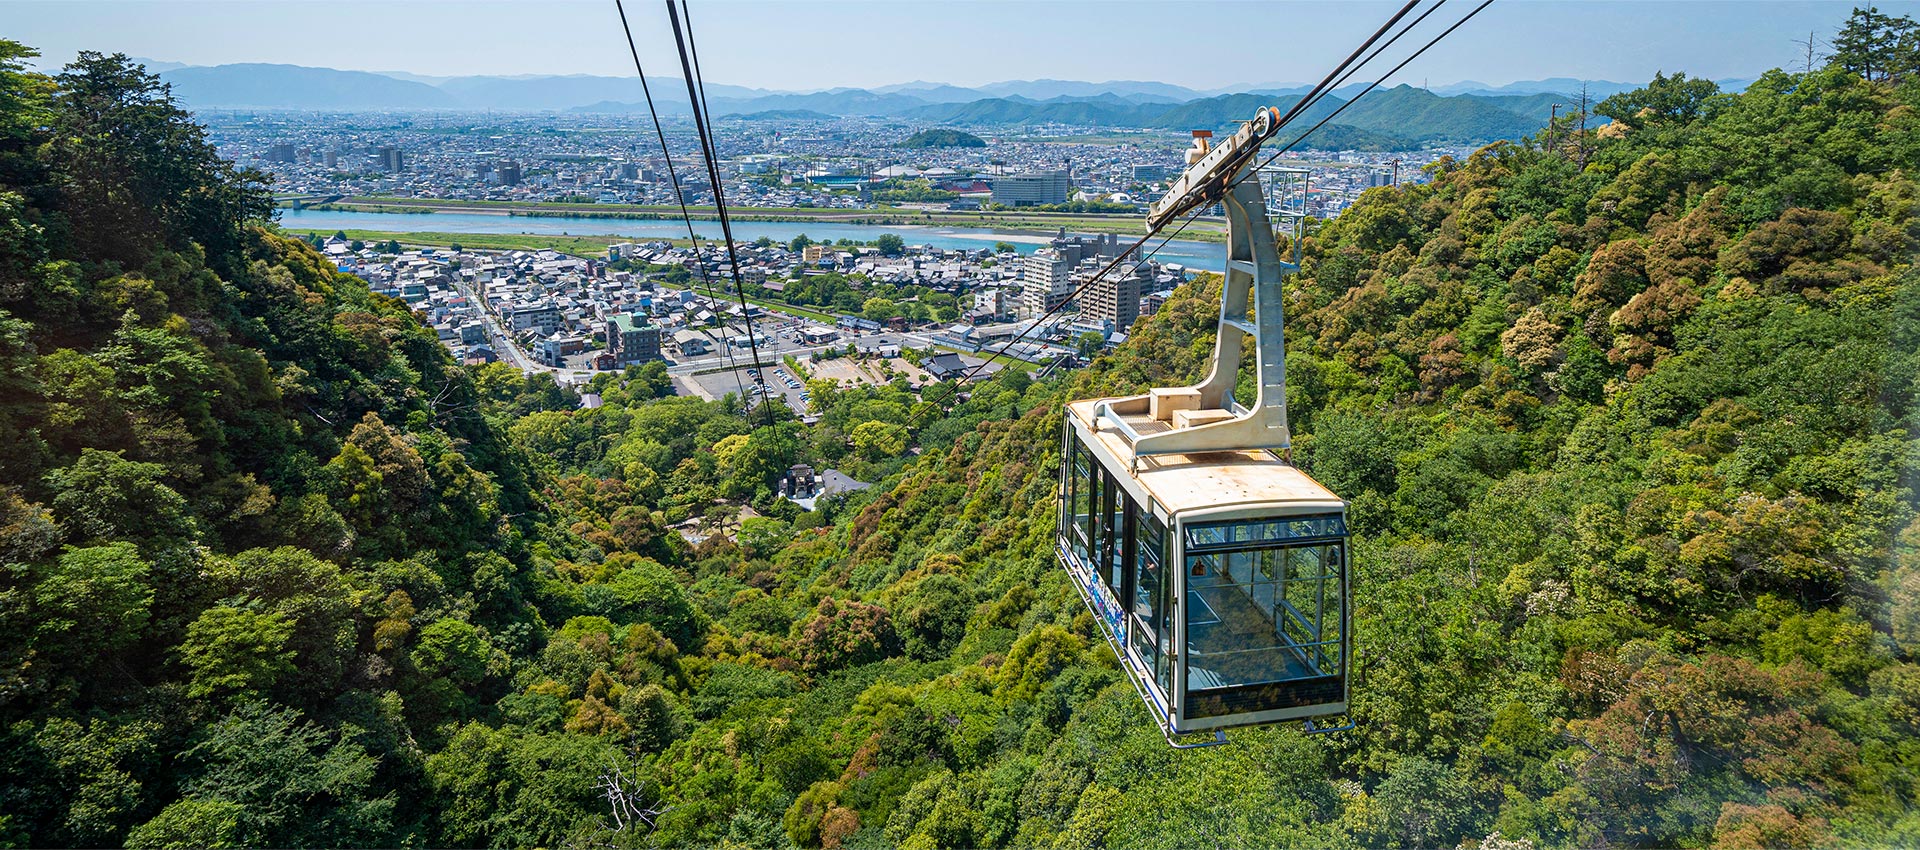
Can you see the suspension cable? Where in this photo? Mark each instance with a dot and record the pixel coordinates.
(1327, 84)
(673, 175)
(683, 40)
(1332, 80)
(1330, 92)
(1376, 84)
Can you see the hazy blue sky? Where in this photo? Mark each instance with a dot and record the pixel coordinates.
(797, 45)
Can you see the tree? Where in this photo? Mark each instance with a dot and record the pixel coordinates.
(266, 777)
(1878, 47)
(452, 650)
(229, 650)
(1426, 803)
(103, 495)
(879, 309)
(25, 98)
(1088, 344)
(1666, 100)
(647, 592)
(1004, 248)
(890, 244)
(511, 788)
(799, 243)
(94, 599)
(844, 633)
(935, 616)
(315, 601)
(879, 440)
(137, 174)
(763, 536)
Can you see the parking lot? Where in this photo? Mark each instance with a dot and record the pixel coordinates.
(778, 379)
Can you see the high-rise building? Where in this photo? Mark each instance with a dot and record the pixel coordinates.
(391, 158)
(280, 152)
(632, 339)
(1149, 173)
(1025, 190)
(1113, 298)
(331, 157)
(509, 172)
(1046, 283)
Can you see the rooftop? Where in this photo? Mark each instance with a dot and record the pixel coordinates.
(1183, 484)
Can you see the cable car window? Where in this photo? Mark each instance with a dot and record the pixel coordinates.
(1152, 640)
(1243, 532)
(1090, 519)
(1262, 615)
(1113, 509)
(1081, 482)
(1069, 447)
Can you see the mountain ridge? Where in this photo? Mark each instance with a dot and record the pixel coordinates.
(1402, 115)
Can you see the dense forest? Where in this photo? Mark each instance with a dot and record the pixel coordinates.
(1627, 420)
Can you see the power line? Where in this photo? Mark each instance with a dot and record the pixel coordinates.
(696, 97)
(674, 176)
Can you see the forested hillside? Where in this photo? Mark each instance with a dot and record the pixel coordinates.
(1628, 422)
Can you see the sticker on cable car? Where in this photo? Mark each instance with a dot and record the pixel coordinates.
(1104, 604)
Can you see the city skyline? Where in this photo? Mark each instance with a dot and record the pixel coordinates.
(758, 44)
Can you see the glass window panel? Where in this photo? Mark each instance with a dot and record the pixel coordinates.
(1070, 453)
(1246, 532)
(1153, 557)
(1263, 615)
(1086, 501)
(1147, 635)
(1113, 505)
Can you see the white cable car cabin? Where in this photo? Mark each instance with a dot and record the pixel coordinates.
(1217, 569)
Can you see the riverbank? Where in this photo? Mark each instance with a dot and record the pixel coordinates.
(1202, 230)
(581, 246)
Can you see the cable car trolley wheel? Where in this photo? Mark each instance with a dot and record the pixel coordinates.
(1217, 570)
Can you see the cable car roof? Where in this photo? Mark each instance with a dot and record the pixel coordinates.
(1222, 483)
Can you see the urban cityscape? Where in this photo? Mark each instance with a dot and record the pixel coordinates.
(566, 314)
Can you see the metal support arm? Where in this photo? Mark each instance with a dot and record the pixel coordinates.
(1254, 275)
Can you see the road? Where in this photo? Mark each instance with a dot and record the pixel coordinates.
(503, 343)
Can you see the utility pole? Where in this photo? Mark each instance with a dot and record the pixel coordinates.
(1396, 171)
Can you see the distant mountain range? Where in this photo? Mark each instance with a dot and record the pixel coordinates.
(1462, 112)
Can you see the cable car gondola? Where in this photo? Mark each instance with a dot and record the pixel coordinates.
(1216, 568)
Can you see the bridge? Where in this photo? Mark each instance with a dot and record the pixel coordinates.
(303, 201)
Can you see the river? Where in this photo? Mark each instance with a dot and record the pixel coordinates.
(1198, 256)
